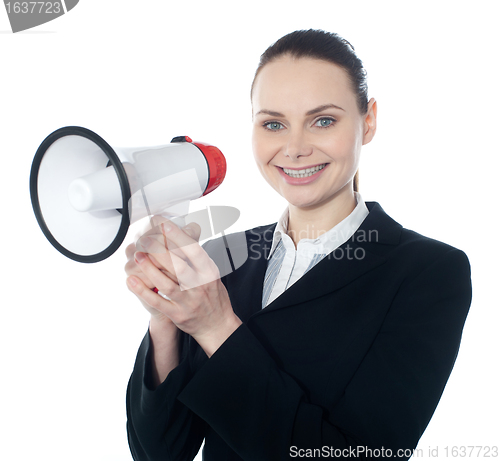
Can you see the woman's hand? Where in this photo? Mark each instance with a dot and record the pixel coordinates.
(181, 270)
(133, 269)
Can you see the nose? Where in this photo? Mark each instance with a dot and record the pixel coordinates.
(297, 145)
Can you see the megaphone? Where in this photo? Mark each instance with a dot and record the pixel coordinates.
(85, 193)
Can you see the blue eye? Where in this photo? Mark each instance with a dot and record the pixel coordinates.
(324, 122)
(273, 126)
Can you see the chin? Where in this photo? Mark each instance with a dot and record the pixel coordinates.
(303, 202)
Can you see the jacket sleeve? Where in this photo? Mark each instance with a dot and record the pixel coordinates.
(264, 414)
(159, 427)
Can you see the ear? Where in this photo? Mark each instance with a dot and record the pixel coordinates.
(370, 122)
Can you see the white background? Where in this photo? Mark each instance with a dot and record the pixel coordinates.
(139, 73)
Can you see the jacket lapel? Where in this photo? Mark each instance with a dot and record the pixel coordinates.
(245, 285)
(363, 252)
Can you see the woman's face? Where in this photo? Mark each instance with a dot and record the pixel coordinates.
(307, 130)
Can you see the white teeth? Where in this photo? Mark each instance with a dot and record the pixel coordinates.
(303, 173)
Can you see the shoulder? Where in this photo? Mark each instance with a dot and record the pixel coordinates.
(407, 246)
(428, 278)
(414, 242)
(430, 256)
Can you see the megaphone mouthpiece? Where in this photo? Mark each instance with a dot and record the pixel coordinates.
(96, 192)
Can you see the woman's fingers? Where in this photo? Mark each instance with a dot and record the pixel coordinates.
(130, 250)
(174, 253)
(162, 281)
(132, 268)
(161, 257)
(177, 253)
(193, 230)
(155, 242)
(186, 248)
(155, 304)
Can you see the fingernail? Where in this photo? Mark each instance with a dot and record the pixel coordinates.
(132, 281)
(140, 257)
(166, 227)
(188, 231)
(146, 242)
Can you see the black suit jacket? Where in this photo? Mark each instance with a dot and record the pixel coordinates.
(354, 356)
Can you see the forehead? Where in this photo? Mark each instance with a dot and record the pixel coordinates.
(301, 83)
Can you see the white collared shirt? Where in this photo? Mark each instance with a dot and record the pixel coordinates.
(286, 264)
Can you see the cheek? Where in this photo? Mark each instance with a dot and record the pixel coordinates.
(261, 149)
(255, 146)
(344, 148)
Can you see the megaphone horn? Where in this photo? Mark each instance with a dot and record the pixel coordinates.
(85, 193)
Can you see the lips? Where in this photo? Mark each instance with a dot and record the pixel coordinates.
(303, 176)
(304, 173)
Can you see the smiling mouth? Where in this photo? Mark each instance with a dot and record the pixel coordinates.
(304, 173)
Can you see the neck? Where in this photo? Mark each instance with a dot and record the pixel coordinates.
(310, 223)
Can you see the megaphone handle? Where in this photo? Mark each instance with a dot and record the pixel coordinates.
(176, 213)
(179, 221)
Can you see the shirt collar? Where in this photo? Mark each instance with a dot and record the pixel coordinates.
(280, 230)
(330, 240)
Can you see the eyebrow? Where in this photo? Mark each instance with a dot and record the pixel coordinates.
(311, 112)
(322, 108)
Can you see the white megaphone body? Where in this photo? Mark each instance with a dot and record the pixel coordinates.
(85, 194)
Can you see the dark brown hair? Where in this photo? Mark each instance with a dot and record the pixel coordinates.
(325, 46)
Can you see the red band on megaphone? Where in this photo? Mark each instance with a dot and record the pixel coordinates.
(216, 165)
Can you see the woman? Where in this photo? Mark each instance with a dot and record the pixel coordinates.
(336, 337)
